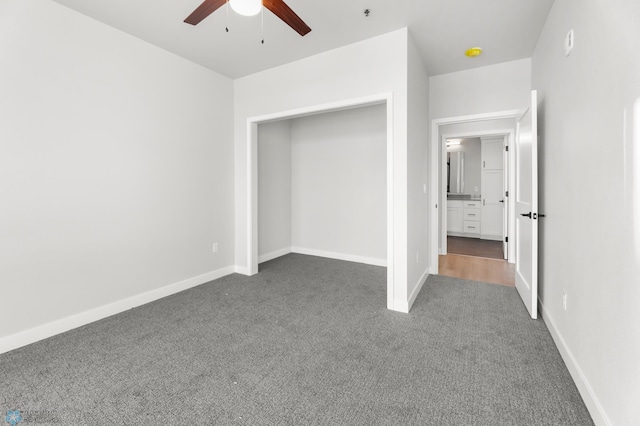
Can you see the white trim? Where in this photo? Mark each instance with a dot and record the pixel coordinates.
(252, 186)
(252, 197)
(274, 254)
(442, 242)
(242, 270)
(322, 108)
(340, 256)
(437, 199)
(498, 115)
(62, 325)
(391, 284)
(414, 293)
(589, 396)
(492, 238)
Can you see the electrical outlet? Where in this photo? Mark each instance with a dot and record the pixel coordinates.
(215, 247)
(564, 300)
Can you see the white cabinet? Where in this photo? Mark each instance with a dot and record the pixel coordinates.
(492, 188)
(492, 210)
(471, 214)
(492, 148)
(463, 218)
(454, 216)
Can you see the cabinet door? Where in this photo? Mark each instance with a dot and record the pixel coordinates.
(454, 219)
(492, 207)
(492, 153)
(471, 214)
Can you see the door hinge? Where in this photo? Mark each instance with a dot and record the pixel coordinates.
(506, 148)
(506, 193)
(506, 239)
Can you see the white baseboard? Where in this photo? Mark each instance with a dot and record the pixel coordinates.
(241, 270)
(274, 254)
(462, 234)
(405, 306)
(340, 256)
(584, 387)
(50, 329)
(416, 291)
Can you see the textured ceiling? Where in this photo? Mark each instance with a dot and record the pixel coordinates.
(442, 30)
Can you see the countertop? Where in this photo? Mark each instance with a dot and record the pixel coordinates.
(462, 197)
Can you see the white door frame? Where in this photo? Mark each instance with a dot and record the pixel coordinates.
(252, 174)
(510, 134)
(438, 198)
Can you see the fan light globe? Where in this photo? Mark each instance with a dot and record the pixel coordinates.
(246, 7)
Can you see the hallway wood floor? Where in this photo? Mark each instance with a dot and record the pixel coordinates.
(490, 268)
(493, 271)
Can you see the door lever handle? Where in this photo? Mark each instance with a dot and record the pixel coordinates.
(526, 215)
(501, 201)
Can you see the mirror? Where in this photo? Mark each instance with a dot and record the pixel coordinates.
(455, 172)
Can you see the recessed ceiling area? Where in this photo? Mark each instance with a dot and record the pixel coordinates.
(442, 30)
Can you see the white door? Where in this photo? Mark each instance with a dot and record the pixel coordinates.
(505, 203)
(527, 207)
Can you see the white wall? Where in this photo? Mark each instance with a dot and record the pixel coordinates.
(589, 125)
(361, 70)
(494, 88)
(418, 201)
(500, 87)
(339, 179)
(116, 169)
(274, 189)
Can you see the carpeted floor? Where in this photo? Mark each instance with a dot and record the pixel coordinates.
(306, 341)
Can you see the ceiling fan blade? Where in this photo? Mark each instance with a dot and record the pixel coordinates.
(284, 12)
(205, 9)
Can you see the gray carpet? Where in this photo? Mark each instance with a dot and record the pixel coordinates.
(306, 341)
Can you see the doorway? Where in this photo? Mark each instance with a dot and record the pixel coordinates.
(494, 271)
(461, 249)
(321, 186)
(393, 303)
(475, 202)
(477, 216)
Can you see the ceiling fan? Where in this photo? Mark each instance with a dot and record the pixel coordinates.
(278, 7)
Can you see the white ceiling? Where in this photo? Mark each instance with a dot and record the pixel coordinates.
(442, 30)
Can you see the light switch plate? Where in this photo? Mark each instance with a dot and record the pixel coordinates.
(568, 43)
